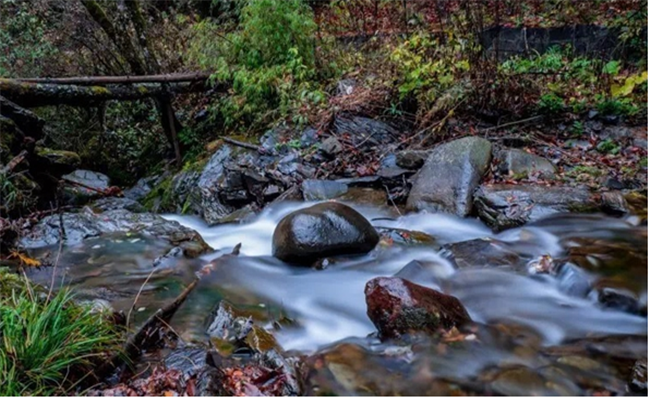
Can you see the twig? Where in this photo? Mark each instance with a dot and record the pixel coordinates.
(391, 200)
(138, 342)
(14, 162)
(241, 144)
(522, 121)
(137, 296)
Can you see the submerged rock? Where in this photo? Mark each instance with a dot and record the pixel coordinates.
(483, 253)
(508, 206)
(87, 224)
(450, 175)
(518, 163)
(320, 231)
(313, 189)
(397, 306)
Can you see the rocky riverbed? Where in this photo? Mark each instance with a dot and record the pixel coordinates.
(469, 268)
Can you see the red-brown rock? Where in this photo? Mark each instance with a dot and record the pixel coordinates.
(397, 306)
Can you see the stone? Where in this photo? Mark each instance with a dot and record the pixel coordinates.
(88, 224)
(309, 137)
(366, 196)
(449, 176)
(411, 159)
(331, 146)
(321, 231)
(81, 186)
(397, 306)
(518, 163)
(210, 183)
(619, 299)
(614, 203)
(638, 381)
(505, 206)
(483, 253)
(116, 203)
(141, 188)
(57, 161)
(313, 189)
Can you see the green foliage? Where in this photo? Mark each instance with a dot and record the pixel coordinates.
(550, 103)
(577, 129)
(622, 107)
(46, 346)
(608, 146)
(23, 52)
(270, 60)
(428, 67)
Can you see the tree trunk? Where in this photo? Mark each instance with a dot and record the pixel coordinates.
(42, 94)
(28, 122)
(107, 80)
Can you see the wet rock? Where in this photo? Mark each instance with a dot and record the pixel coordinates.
(361, 195)
(619, 299)
(411, 159)
(572, 280)
(87, 224)
(638, 382)
(520, 381)
(141, 188)
(240, 216)
(614, 203)
(397, 306)
(331, 146)
(211, 182)
(508, 206)
(404, 237)
(313, 189)
(518, 163)
(422, 272)
(291, 194)
(309, 137)
(116, 203)
(483, 253)
(57, 161)
(450, 175)
(189, 360)
(81, 186)
(320, 231)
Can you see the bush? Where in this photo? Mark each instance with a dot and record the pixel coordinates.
(269, 60)
(46, 346)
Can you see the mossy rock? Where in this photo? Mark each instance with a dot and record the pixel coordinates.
(61, 161)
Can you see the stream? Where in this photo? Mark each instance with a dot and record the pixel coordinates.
(535, 335)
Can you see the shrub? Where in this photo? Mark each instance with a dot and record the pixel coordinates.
(269, 60)
(551, 103)
(46, 346)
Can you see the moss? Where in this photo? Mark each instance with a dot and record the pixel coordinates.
(160, 197)
(195, 166)
(59, 157)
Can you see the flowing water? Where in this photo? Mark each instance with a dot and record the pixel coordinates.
(529, 318)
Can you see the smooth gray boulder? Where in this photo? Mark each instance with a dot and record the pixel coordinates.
(320, 231)
(450, 175)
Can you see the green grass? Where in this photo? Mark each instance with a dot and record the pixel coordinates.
(47, 347)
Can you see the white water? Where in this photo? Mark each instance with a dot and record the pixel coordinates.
(329, 305)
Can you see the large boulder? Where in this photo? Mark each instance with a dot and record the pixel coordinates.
(508, 206)
(397, 306)
(56, 162)
(450, 175)
(323, 230)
